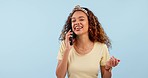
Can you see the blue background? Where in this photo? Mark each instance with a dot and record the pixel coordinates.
(29, 32)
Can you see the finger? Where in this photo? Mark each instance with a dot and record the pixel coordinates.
(68, 35)
(113, 61)
(116, 61)
(110, 62)
(67, 38)
(69, 30)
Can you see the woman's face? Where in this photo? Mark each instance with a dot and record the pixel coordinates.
(79, 22)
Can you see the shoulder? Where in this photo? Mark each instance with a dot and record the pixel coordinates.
(62, 44)
(101, 45)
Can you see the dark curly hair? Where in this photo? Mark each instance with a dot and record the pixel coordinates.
(96, 32)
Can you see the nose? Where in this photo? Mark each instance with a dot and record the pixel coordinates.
(77, 24)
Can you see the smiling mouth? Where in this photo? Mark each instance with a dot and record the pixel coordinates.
(78, 28)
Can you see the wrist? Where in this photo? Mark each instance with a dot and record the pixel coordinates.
(67, 49)
(108, 68)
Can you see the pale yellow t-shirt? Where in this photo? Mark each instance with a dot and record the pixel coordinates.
(88, 65)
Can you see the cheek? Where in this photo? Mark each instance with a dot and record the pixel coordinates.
(85, 25)
(72, 25)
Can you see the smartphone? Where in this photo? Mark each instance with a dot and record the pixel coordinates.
(73, 36)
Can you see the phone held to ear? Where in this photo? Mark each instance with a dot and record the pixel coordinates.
(73, 35)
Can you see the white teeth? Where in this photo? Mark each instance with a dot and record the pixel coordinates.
(78, 28)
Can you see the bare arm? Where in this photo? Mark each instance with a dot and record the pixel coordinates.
(105, 73)
(62, 65)
(106, 70)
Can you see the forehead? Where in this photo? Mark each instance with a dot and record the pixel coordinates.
(78, 14)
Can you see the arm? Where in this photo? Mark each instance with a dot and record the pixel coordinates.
(106, 70)
(62, 65)
(105, 73)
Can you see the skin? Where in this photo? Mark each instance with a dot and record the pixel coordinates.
(80, 26)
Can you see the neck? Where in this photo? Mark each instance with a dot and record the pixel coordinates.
(83, 41)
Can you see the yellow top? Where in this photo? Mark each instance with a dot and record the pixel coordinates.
(88, 65)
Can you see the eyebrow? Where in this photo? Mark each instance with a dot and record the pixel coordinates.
(81, 17)
(78, 17)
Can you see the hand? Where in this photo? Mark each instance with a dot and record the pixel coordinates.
(112, 63)
(67, 41)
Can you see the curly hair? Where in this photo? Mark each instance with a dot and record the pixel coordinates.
(96, 32)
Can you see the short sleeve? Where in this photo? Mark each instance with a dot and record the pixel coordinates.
(105, 55)
(61, 51)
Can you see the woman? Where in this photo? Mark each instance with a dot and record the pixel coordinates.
(89, 53)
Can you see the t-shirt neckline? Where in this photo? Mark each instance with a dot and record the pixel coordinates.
(86, 53)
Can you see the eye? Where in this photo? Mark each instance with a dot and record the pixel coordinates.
(73, 20)
(81, 19)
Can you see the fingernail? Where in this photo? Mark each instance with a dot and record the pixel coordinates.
(118, 60)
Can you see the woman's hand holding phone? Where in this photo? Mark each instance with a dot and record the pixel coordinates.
(67, 40)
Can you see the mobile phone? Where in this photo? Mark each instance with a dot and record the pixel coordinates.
(73, 36)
